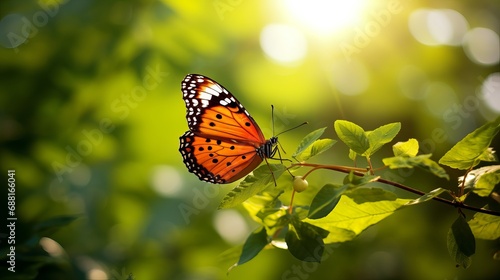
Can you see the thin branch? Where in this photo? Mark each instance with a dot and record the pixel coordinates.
(362, 172)
(443, 200)
(290, 207)
(371, 166)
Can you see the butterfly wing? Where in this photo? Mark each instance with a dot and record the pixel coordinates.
(215, 160)
(213, 112)
(222, 141)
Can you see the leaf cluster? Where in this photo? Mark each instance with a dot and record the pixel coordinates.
(341, 211)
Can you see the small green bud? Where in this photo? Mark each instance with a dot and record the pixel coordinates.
(299, 184)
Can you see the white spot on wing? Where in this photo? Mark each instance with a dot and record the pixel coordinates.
(212, 90)
(204, 96)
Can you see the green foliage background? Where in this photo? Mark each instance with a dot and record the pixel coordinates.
(75, 75)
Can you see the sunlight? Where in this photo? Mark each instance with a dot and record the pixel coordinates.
(323, 16)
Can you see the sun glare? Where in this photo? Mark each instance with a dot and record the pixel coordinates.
(325, 16)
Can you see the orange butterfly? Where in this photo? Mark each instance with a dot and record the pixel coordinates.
(223, 143)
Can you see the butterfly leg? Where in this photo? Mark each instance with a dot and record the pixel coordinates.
(272, 173)
(281, 160)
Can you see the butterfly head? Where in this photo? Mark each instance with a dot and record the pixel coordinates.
(269, 149)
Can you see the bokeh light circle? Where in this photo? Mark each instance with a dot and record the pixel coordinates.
(482, 46)
(283, 43)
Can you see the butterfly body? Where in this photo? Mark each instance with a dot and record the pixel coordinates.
(223, 143)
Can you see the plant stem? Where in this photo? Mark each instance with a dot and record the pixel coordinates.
(370, 164)
(361, 172)
(290, 207)
(462, 186)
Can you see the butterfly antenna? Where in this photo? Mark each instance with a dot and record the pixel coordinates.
(304, 123)
(272, 116)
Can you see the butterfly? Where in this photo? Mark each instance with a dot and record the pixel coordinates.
(223, 143)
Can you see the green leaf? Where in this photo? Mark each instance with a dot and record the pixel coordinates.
(358, 181)
(421, 161)
(329, 195)
(325, 200)
(461, 243)
(459, 258)
(257, 203)
(352, 135)
(261, 178)
(308, 140)
(49, 226)
(354, 217)
(486, 183)
(428, 196)
(424, 162)
(273, 218)
(485, 226)
(318, 147)
(338, 235)
(380, 136)
(253, 245)
(363, 195)
(406, 149)
(469, 151)
(305, 241)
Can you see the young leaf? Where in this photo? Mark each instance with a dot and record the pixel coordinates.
(253, 245)
(485, 226)
(352, 155)
(308, 140)
(318, 147)
(352, 135)
(461, 242)
(488, 155)
(325, 200)
(380, 136)
(305, 241)
(422, 161)
(428, 196)
(474, 175)
(406, 149)
(261, 178)
(482, 186)
(469, 151)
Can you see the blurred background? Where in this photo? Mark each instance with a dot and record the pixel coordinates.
(91, 112)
